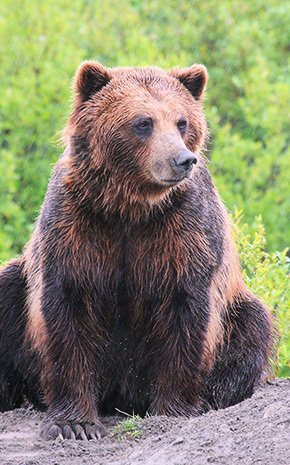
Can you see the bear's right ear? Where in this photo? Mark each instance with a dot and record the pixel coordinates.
(194, 78)
(89, 79)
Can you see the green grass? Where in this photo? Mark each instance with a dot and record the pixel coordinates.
(128, 428)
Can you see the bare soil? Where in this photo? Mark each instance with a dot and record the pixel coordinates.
(257, 431)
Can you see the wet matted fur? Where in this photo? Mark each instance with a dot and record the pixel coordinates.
(129, 294)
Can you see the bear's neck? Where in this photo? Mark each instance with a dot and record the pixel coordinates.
(106, 196)
(98, 191)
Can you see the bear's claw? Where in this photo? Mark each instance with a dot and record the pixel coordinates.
(81, 431)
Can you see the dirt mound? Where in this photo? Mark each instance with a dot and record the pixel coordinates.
(257, 431)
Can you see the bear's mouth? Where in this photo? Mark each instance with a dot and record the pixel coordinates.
(172, 182)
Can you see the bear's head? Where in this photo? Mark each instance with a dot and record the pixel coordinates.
(140, 129)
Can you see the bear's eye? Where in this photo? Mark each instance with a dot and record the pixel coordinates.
(143, 125)
(182, 125)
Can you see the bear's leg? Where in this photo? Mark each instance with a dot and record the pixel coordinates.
(15, 376)
(243, 361)
(73, 348)
(178, 345)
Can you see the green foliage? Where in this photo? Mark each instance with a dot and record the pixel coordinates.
(245, 46)
(267, 275)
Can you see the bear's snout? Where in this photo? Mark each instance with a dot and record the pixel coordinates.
(183, 162)
(173, 162)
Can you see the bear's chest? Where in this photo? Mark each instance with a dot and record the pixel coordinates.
(135, 269)
(156, 257)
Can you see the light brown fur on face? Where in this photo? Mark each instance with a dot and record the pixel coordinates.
(110, 116)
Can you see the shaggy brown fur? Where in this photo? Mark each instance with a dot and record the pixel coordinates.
(129, 293)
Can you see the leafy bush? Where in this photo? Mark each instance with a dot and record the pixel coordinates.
(267, 275)
(245, 47)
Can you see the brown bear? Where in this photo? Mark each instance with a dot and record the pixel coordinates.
(129, 294)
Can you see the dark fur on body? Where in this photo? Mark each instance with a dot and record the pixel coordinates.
(129, 294)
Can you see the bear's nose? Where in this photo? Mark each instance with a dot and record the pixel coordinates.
(183, 162)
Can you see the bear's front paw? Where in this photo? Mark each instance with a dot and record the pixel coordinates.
(69, 430)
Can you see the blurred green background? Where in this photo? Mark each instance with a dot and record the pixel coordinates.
(245, 46)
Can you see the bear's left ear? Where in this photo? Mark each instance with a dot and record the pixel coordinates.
(194, 78)
(89, 79)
